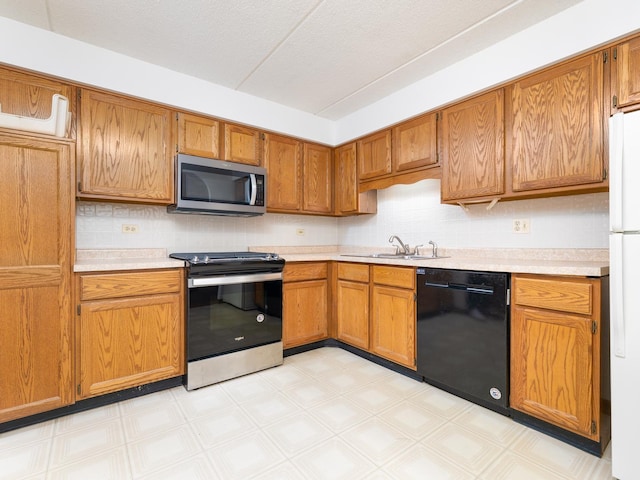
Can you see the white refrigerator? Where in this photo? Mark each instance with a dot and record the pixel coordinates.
(624, 248)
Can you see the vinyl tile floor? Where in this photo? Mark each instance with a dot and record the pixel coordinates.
(323, 414)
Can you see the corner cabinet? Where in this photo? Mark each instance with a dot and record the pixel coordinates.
(555, 123)
(473, 165)
(374, 155)
(305, 299)
(36, 235)
(283, 161)
(124, 150)
(130, 329)
(557, 358)
(347, 199)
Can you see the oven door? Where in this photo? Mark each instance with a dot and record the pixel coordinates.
(230, 313)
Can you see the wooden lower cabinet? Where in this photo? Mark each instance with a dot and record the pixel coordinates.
(375, 310)
(36, 238)
(352, 304)
(556, 339)
(305, 303)
(130, 330)
(393, 314)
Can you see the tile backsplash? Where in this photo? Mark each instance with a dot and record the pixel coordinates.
(412, 212)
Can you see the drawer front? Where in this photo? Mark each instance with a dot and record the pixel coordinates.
(120, 285)
(356, 272)
(394, 276)
(296, 272)
(564, 295)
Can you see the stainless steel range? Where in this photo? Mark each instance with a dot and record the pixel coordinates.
(234, 314)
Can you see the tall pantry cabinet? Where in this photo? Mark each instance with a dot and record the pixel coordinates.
(35, 275)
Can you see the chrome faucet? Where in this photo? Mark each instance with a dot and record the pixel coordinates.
(434, 248)
(405, 248)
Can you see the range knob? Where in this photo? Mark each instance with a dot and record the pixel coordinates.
(195, 259)
(206, 259)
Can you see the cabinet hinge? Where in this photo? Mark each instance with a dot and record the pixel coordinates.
(594, 427)
(615, 53)
(594, 327)
(605, 57)
(79, 389)
(437, 116)
(78, 310)
(614, 102)
(262, 136)
(415, 297)
(605, 173)
(79, 186)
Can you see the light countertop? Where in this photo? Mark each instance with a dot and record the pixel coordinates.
(576, 262)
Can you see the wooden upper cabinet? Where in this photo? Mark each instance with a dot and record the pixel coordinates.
(374, 155)
(473, 148)
(414, 143)
(317, 179)
(124, 150)
(30, 96)
(556, 126)
(625, 73)
(282, 159)
(347, 199)
(36, 260)
(199, 136)
(242, 144)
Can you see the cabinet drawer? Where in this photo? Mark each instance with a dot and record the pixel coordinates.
(394, 276)
(295, 272)
(118, 285)
(564, 295)
(356, 272)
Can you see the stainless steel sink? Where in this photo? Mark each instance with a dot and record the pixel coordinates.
(392, 256)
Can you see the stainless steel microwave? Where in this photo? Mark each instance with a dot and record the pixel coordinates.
(217, 187)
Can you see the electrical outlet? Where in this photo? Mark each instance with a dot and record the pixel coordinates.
(130, 228)
(521, 225)
(300, 232)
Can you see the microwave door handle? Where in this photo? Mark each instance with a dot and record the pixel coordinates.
(253, 189)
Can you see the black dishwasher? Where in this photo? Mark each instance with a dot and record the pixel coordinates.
(463, 334)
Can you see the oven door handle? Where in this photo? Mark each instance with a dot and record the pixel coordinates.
(233, 279)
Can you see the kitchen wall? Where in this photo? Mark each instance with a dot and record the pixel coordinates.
(412, 212)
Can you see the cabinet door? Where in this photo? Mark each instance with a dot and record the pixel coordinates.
(473, 148)
(242, 144)
(414, 143)
(304, 312)
(124, 152)
(30, 96)
(198, 136)
(282, 158)
(317, 176)
(35, 276)
(625, 73)
(552, 368)
(346, 197)
(353, 313)
(393, 324)
(556, 126)
(129, 342)
(374, 155)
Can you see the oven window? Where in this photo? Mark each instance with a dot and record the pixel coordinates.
(228, 318)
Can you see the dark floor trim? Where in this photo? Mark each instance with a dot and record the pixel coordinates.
(589, 446)
(89, 403)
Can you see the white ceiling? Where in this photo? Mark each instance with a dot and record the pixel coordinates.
(326, 57)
